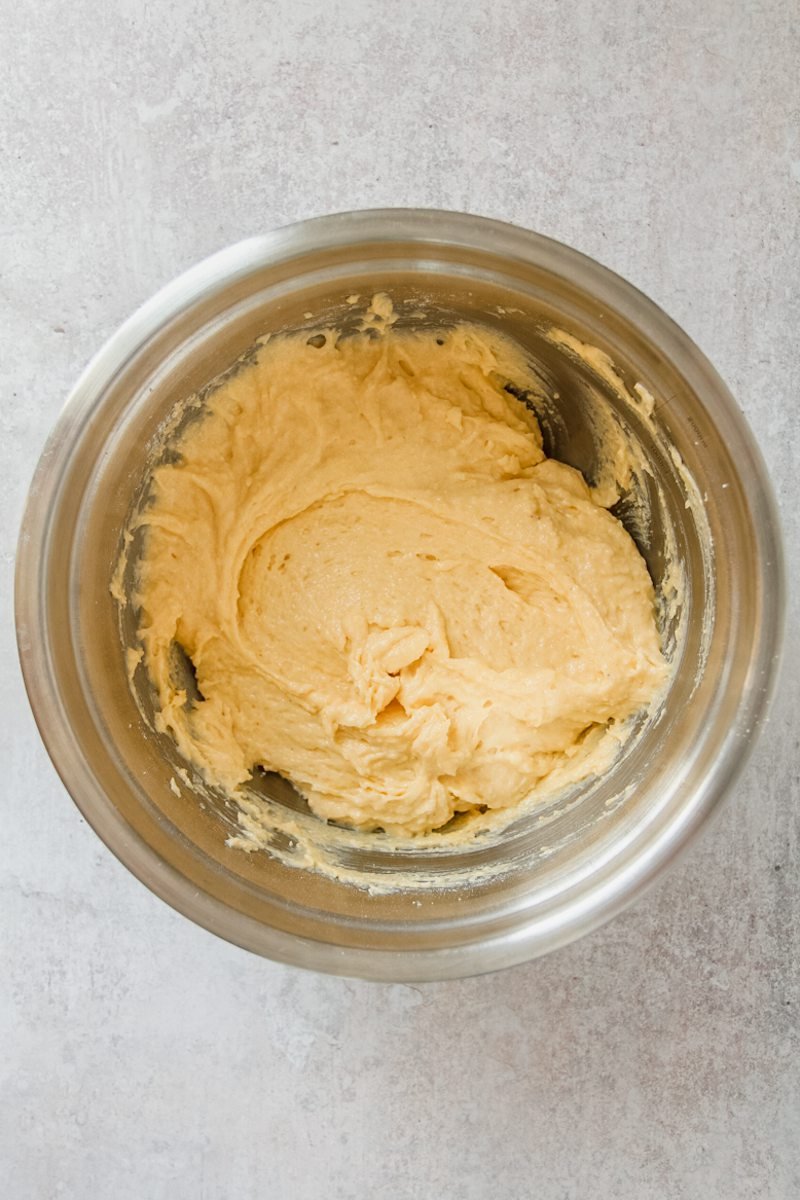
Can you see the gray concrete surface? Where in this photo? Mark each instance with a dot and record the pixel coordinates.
(141, 1058)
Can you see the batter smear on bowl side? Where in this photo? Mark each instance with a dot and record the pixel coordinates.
(387, 593)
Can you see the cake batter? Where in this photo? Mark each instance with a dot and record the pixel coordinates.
(387, 592)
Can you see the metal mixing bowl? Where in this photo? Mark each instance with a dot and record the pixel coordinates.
(450, 910)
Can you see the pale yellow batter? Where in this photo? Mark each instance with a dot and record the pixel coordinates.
(389, 594)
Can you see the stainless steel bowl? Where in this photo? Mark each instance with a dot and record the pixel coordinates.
(450, 911)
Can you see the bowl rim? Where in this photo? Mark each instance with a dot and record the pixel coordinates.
(601, 898)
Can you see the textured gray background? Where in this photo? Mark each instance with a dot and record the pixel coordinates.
(141, 1057)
